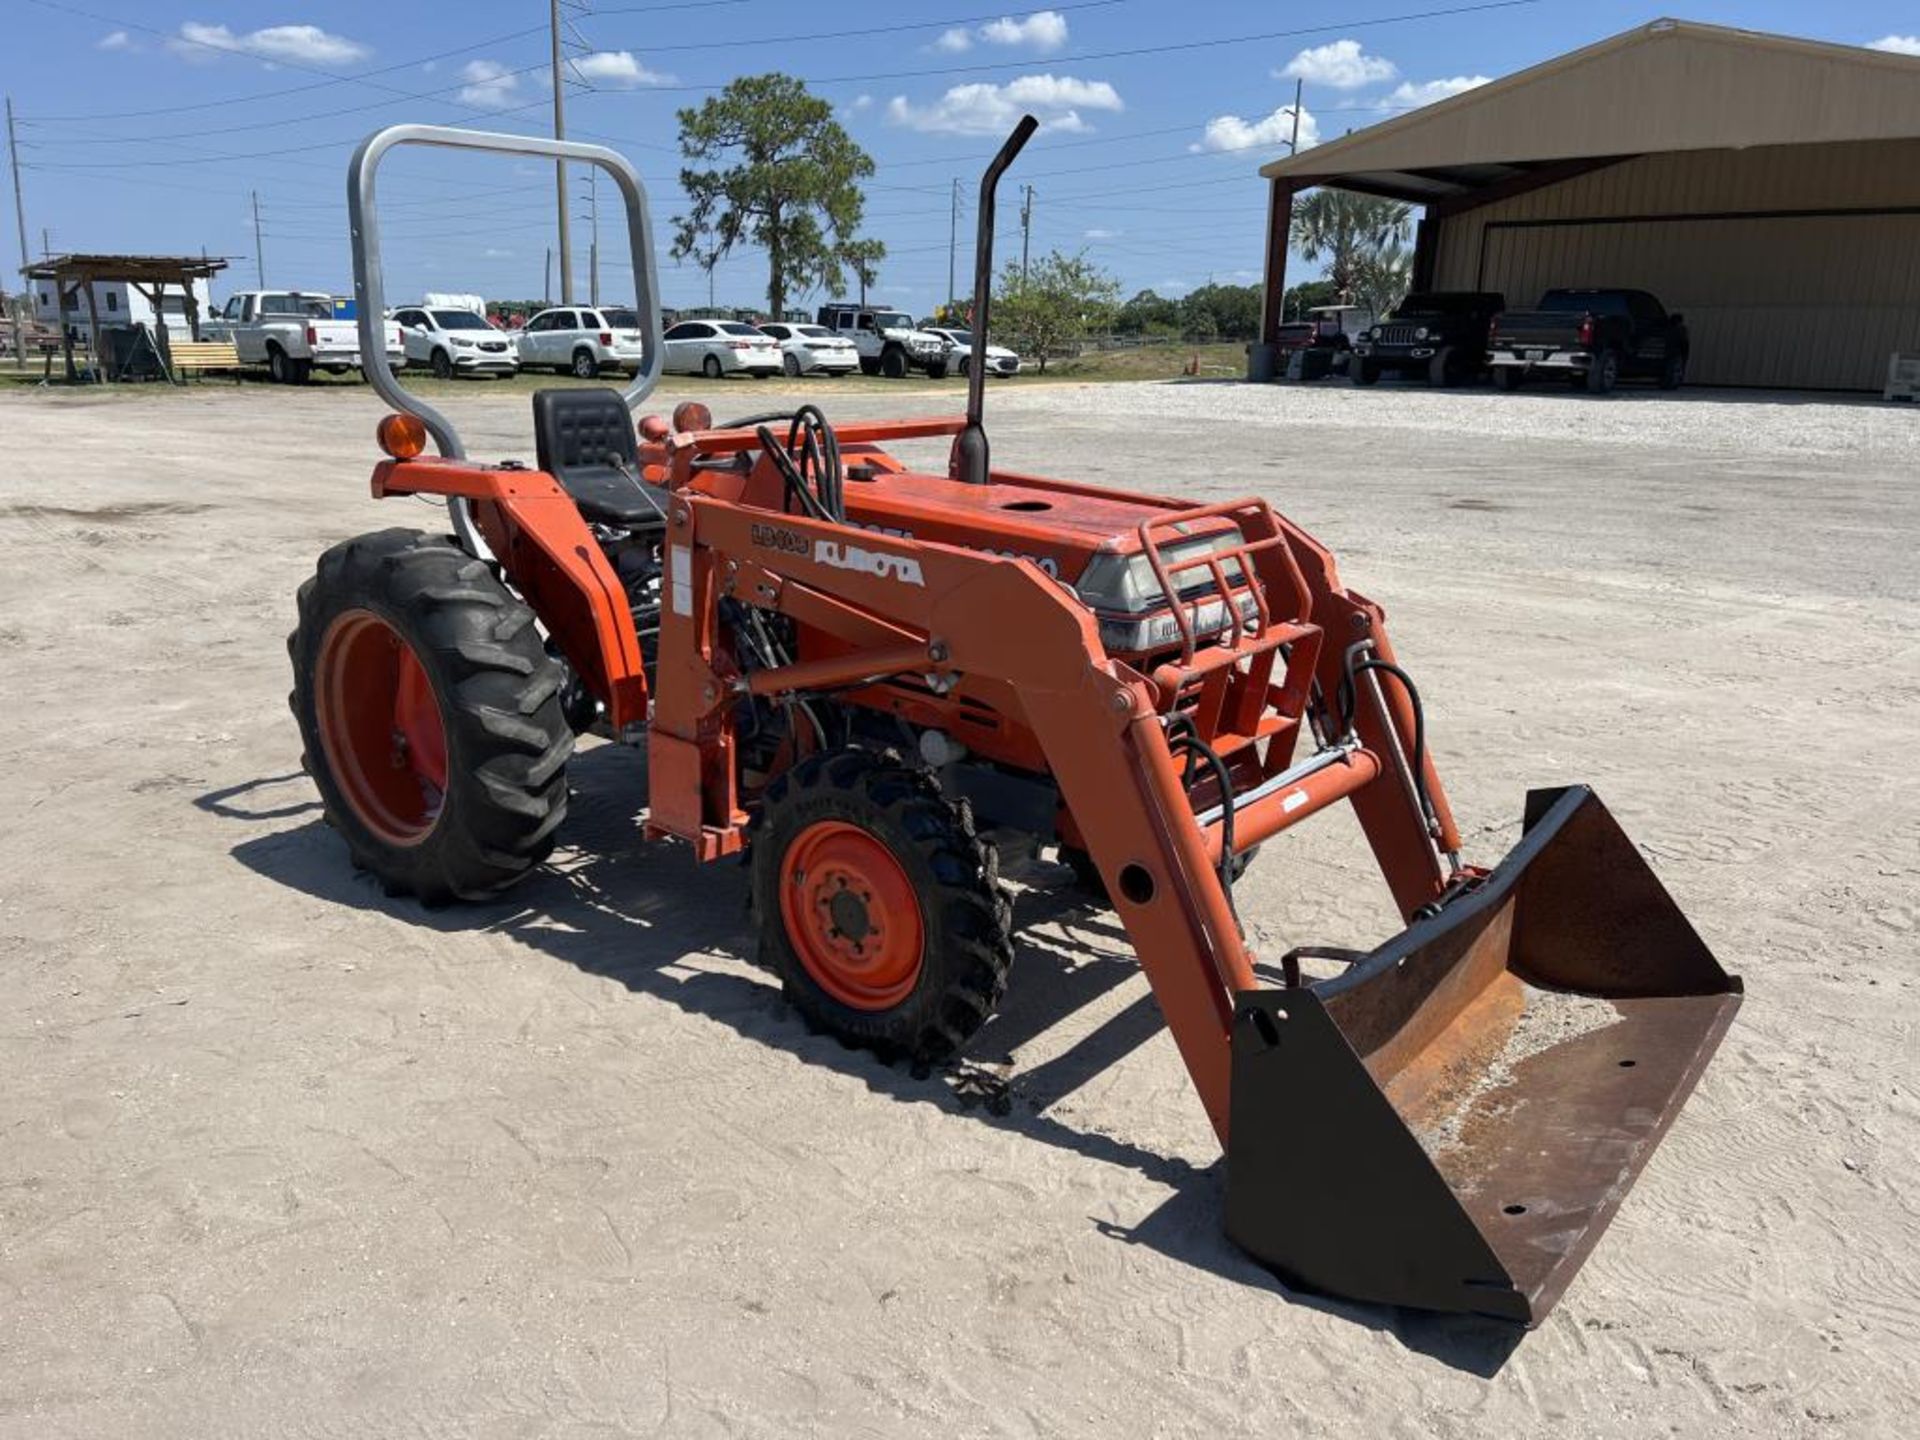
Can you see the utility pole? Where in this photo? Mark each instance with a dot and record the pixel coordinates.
(593, 244)
(560, 166)
(953, 234)
(259, 255)
(1293, 145)
(1026, 227)
(20, 218)
(546, 283)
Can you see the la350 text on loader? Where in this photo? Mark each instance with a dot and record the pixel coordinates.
(870, 677)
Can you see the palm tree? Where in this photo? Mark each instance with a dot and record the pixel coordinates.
(1381, 278)
(1348, 229)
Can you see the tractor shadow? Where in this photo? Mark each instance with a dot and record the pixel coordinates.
(634, 913)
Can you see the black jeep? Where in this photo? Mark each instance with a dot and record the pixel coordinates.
(1441, 334)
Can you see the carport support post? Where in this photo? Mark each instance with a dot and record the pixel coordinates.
(93, 331)
(1279, 227)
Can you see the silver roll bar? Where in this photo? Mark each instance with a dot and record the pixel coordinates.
(369, 290)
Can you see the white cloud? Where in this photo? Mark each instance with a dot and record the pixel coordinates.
(1230, 132)
(296, 44)
(1341, 64)
(983, 109)
(1896, 44)
(1044, 30)
(861, 102)
(115, 40)
(1410, 96)
(489, 83)
(616, 70)
(495, 254)
(1099, 234)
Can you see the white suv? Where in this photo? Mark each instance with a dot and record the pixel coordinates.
(582, 341)
(454, 342)
(888, 342)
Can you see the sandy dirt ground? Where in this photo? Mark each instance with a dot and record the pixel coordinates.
(280, 1156)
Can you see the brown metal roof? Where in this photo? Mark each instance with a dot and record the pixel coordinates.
(149, 268)
(1669, 85)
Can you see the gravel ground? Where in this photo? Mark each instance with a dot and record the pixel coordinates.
(284, 1156)
(1731, 422)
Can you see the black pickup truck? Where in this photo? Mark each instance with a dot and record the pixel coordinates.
(1592, 337)
(1441, 335)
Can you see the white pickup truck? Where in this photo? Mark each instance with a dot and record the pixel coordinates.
(291, 331)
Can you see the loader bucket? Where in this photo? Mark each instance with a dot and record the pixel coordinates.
(1450, 1123)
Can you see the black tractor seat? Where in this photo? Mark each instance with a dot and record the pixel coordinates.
(585, 439)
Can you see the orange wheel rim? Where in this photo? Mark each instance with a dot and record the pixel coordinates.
(380, 726)
(851, 915)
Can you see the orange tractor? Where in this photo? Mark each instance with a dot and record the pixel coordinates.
(873, 679)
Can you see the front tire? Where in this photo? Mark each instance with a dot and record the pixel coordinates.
(1440, 369)
(879, 907)
(1362, 372)
(430, 714)
(1673, 373)
(893, 363)
(442, 365)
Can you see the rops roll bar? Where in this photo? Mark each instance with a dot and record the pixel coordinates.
(369, 290)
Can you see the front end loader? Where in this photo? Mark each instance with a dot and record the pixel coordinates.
(876, 680)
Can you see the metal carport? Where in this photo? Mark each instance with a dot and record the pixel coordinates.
(1768, 187)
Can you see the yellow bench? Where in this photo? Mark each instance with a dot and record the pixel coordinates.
(204, 355)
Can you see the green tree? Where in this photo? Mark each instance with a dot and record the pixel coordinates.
(784, 176)
(1148, 313)
(1345, 229)
(1226, 312)
(1060, 299)
(1303, 297)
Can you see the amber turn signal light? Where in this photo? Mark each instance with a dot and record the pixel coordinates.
(402, 436)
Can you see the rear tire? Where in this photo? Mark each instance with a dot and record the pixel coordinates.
(879, 907)
(1673, 373)
(791, 365)
(893, 363)
(280, 367)
(710, 367)
(1603, 373)
(869, 367)
(585, 367)
(1508, 377)
(492, 697)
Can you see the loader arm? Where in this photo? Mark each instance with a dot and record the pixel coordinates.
(916, 607)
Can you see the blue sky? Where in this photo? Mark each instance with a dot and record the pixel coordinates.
(145, 125)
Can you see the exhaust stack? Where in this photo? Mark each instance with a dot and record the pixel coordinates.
(970, 445)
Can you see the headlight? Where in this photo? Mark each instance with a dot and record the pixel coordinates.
(1374, 333)
(1156, 632)
(463, 344)
(1421, 333)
